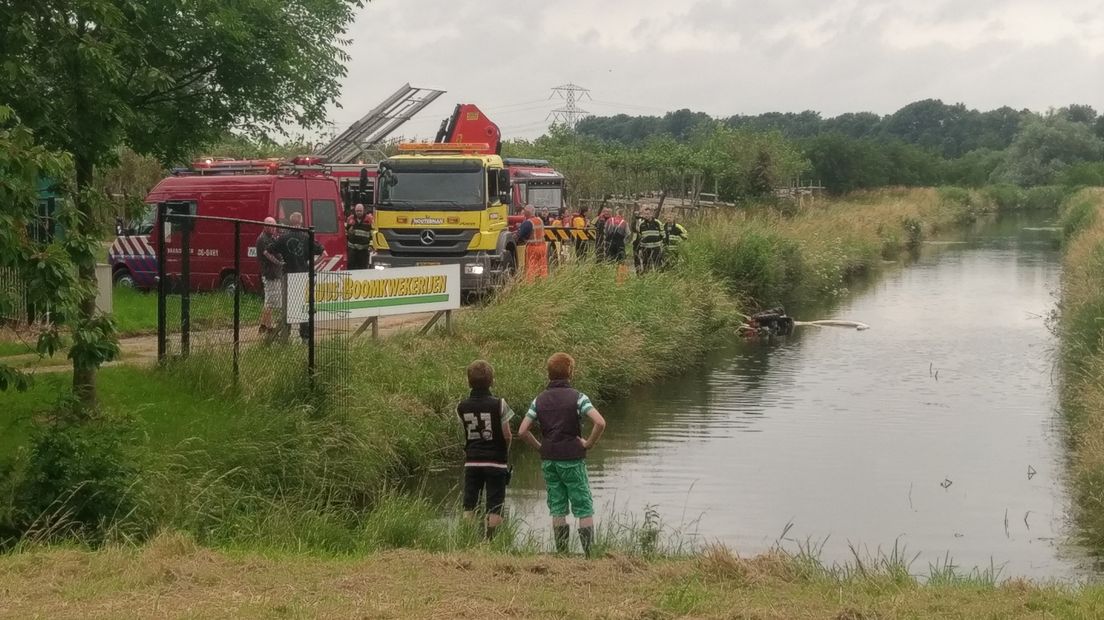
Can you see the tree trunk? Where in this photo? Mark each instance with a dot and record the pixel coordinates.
(84, 376)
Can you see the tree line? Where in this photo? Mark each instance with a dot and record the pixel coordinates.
(924, 143)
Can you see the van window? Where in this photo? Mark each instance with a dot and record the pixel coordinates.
(286, 206)
(324, 216)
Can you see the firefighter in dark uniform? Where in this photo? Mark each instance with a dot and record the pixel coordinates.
(649, 238)
(358, 233)
(674, 234)
(486, 423)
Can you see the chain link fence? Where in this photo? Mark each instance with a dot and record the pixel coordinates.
(223, 296)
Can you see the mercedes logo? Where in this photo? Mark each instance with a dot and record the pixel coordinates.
(428, 237)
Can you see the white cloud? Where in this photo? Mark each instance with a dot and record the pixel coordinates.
(725, 56)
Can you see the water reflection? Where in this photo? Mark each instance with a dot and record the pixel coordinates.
(934, 429)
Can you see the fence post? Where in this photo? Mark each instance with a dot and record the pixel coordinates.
(237, 295)
(310, 304)
(160, 232)
(186, 289)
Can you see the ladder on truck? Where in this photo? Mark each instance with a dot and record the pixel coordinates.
(355, 142)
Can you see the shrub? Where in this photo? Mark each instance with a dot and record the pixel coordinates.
(1049, 197)
(914, 232)
(1006, 197)
(960, 202)
(79, 481)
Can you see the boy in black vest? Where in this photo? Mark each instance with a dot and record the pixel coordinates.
(559, 411)
(486, 421)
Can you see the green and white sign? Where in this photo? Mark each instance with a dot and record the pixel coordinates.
(375, 292)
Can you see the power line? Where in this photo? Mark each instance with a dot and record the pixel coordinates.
(632, 106)
(570, 113)
(518, 104)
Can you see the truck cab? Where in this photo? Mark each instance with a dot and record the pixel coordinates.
(446, 204)
(534, 182)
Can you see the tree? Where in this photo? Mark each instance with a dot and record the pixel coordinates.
(44, 265)
(1045, 149)
(844, 164)
(161, 76)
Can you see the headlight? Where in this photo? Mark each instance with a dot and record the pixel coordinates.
(380, 266)
(474, 269)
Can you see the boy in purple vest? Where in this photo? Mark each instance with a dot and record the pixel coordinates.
(486, 419)
(559, 411)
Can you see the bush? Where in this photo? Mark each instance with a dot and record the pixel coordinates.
(1006, 197)
(960, 202)
(1048, 197)
(79, 481)
(1086, 174)
(914, 232)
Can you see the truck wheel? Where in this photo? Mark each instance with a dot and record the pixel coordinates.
(228, 283)
(123, 277)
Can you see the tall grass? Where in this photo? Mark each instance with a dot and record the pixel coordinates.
(1081, 326)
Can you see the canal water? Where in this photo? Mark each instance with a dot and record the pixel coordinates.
(935, 431)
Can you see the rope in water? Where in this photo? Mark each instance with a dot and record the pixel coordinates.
(835, 323)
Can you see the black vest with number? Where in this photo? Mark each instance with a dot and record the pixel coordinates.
(558, 416)
(481, 415)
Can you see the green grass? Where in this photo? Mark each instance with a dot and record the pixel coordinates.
(15, 347)
(135, 311)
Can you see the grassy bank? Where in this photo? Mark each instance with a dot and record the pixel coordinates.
(1081, 324)
(272, 464)
(173, 577)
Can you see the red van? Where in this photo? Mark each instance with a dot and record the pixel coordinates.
(133, 255)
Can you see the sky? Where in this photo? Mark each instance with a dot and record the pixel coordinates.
(722, 57)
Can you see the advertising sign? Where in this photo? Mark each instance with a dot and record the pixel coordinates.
(374, 292)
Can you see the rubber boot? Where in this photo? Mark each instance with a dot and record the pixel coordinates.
(586, 537)
(562, 534)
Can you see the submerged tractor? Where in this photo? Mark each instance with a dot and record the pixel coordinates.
(455, 200)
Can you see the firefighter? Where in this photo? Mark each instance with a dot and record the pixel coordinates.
(601, 244)
(673, 236)
(555, 248)
(358, 231)
(649, 238)
(531, 233)
(615, 235)
(578, 230)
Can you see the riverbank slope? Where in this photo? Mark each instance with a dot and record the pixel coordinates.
(1081, 326)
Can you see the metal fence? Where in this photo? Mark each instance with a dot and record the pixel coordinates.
(212, 299)
(13, 298)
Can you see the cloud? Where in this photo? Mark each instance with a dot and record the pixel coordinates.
(724, 56)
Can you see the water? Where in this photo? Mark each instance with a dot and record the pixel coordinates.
(935, 430)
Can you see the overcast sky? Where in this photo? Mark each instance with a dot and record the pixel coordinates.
(723, 57)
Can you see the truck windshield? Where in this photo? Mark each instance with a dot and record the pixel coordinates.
(546, 198)
(436, 187)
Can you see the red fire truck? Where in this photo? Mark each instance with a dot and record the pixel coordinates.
(249, 190)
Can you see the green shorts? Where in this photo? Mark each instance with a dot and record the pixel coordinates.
(568, 487)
